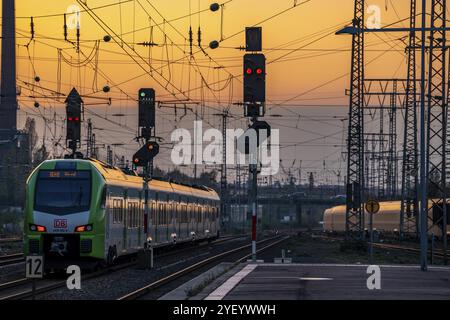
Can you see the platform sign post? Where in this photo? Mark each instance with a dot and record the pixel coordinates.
(372, 207)
(34, 269)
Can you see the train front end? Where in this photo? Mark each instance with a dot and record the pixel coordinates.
(64, 214)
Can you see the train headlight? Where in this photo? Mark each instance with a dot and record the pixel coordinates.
(87, 227)
(35, 227)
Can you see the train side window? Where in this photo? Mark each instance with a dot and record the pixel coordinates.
(113, 210)
(183, 214)
(141, 215)
(160, 213)
(135, 215)
(164, 216)
(154, 213)
(117, 211)
(168, 213)
(130, 215)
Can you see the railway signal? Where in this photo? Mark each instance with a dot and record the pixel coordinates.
(254, 68)
(144, 158)
(73, 119)
(257, 126)
(254, 78)
(253, 39)
(146, 98)
(146, 154)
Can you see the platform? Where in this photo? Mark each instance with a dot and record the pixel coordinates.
(268, 281)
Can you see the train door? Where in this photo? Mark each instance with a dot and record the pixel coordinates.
(206, 217)
(133, 212)
(200, 219)
(125, 224)
(189, 216)
(195, 218)
(173, 219)
(152, 226)
(108, 216)
(159, 223)
(185, 220)
(165, 224)
(178, 219)
(168, 216)
(140, 221)
(116, 236)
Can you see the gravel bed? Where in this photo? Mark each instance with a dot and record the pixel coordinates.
(12, 272)
(10, 248)
(119, 283)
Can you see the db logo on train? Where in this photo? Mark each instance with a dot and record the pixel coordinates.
(60, 223)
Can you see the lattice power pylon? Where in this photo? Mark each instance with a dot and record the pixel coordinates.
(354, 224)
(389, 95)
(392, 166)
(437, 120)
(410, 168)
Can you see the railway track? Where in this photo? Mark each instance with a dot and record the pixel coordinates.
(436, 252)
(11, 259)
(10, 240)
(439, 253)
(21, 288)
(208, 261)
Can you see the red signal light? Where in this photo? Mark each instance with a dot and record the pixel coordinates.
(80, 229)
(77, 119)
(248, 71)
(259, 71)
(70, 118)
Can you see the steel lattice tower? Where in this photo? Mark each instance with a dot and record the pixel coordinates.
(392, 144)
(409, 202)
(355, 154)
(437, 119)
(8, 106)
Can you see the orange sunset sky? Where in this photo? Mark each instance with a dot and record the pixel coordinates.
(309, 81)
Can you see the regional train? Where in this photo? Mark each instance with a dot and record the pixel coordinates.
(86, 211)
(386, 221)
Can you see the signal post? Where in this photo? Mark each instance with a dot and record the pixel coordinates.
(144, 158)
(254, 107)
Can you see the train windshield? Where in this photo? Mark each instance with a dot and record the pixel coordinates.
(63, 192)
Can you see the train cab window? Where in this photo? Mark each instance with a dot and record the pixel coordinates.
(63, 192)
